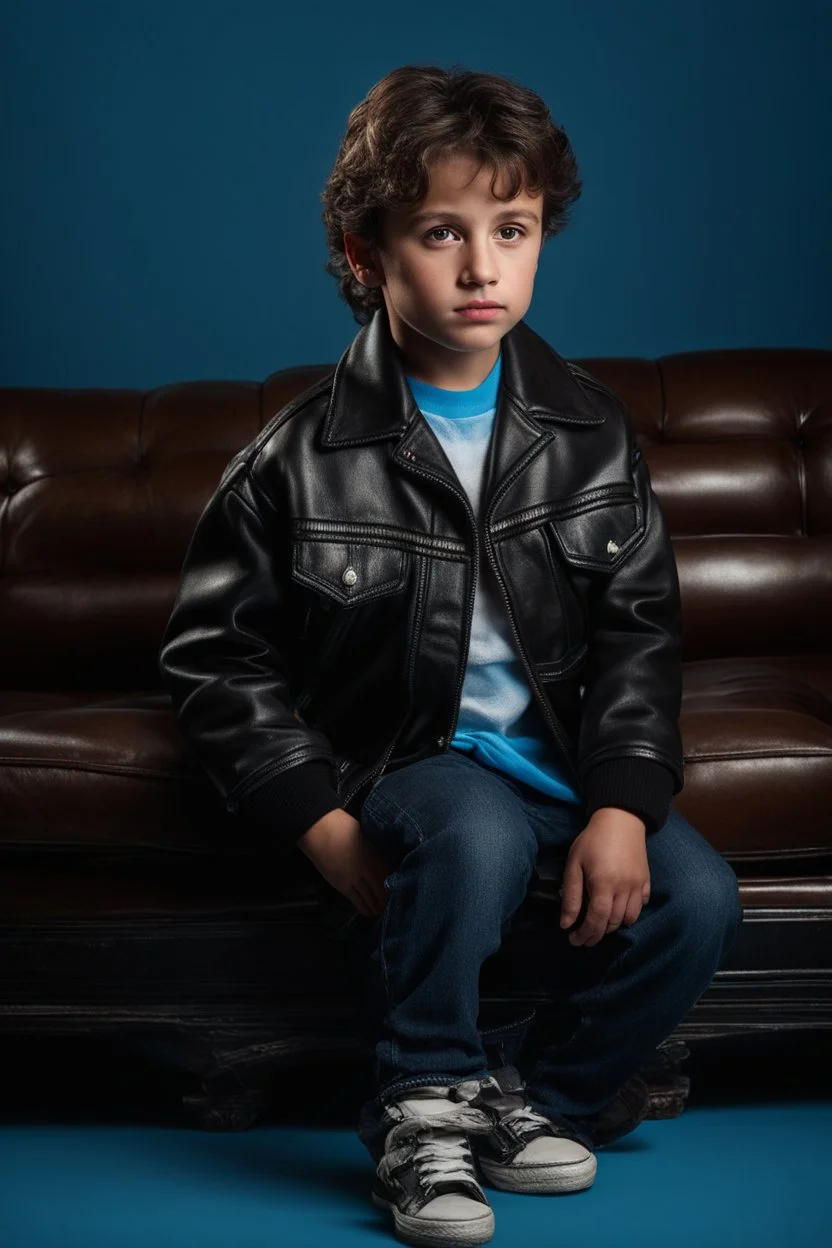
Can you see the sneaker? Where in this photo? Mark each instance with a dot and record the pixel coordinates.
(528, 1151)
(426, 1176)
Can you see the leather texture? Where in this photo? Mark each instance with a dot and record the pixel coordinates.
(319, 634)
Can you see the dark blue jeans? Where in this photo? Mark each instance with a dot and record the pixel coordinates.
(465, 841)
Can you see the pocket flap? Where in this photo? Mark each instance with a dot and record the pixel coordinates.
(349, 572)
(600, 537)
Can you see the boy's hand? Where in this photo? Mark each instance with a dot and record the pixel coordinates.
(608, 860)
(348, 860)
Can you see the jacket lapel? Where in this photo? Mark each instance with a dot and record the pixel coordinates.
(371, 400)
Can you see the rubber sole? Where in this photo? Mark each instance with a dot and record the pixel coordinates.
(571, 1176)
(438, 1233)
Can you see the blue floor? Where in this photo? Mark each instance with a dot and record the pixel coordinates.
(730, 1171)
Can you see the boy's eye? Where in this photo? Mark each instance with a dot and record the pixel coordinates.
(447, 229)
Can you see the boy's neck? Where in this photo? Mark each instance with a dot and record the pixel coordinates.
(449, 370)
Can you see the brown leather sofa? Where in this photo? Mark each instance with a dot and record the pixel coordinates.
(132, 905)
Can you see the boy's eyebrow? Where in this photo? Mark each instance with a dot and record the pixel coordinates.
(448, 212)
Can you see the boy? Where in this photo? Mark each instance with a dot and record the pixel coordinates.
(429, 627)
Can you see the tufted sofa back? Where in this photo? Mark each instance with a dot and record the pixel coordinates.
(100, 491)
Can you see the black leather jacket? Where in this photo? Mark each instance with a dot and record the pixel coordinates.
(320, 633)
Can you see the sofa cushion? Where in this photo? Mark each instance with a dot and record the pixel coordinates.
(100, 770)
(757, 734)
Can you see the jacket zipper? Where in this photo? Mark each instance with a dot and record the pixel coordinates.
(446, 740)
(372, 775)
(544, 706)
(542, 702)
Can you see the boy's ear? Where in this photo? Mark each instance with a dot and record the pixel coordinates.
(361, 259)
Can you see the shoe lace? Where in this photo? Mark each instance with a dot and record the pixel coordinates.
(442, 1146)
(448, 1156)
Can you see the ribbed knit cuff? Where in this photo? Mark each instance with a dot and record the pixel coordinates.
(639, 785)
(286, 805)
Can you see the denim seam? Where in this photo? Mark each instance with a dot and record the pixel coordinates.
(398, 811)
(391, 1040)
(495, 1031)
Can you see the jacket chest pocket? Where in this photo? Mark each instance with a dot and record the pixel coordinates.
(355, 612)
(347, 574)
(599, 536)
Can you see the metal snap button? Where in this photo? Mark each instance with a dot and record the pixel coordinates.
(612, 547)
(349, 576)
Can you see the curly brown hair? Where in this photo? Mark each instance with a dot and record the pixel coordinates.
(418, 112)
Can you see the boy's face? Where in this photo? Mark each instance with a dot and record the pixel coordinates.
(472, 246)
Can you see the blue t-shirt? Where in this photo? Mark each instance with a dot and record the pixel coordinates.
(499, 722)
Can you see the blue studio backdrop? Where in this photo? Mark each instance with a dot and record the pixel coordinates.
(163, 164)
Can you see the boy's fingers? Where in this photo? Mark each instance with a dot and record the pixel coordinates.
(594, 924)
(571, 895)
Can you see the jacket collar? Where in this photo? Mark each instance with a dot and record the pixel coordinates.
(371, 398)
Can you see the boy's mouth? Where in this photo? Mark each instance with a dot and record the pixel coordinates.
(480, 314)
